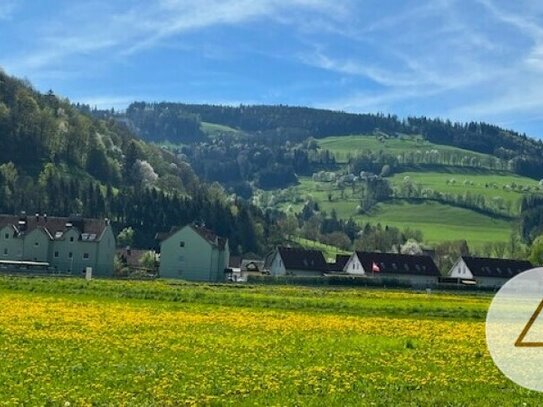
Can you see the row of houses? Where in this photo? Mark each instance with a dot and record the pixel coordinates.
(75, 245)
(195, 253)
(417, 271)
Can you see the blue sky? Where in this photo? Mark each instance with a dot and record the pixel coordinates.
(463, 60)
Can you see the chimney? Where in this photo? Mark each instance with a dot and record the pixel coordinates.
(21, 224)
(37, 217)
(128, 251)
(45, 217)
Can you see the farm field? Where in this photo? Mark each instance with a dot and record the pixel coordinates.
(437, 221)
(69, 342)
(440, 222)
(342, 146)
(486, 184)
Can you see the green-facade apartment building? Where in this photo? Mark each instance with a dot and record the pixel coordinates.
(68, 245)
(193, 253)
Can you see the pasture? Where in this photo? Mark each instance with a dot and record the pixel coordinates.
(508, 187)
(70, 342)
(437, 221)
(343, 146)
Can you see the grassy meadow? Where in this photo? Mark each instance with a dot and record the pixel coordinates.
(343, 146)
(486, 183)
(70, 342)
(432, 218)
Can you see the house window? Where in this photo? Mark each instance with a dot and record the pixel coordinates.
(85, 256)
(181, 258)
(181, 244)
(71, 238)
(70, 255)
(56, 254)
(5, 251)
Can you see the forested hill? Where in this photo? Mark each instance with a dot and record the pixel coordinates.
(180, 123)
(56, 160)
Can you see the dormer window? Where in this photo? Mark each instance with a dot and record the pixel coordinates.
(6, 236)
(181, 244)
(71, 238)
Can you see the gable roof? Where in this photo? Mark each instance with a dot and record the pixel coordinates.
(394, 263)
(132, 257)
(499, 268)
(340, 262)
(55, 227)
(252, 265)
(208, 235)
(302, 259)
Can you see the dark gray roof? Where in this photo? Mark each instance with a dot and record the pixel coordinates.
(303, 259)
(500, 268)
(340, 262)
(394, 263)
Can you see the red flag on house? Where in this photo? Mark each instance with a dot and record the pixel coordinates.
(375, 268)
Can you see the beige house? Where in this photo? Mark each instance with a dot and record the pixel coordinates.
(65, 245)
(193, 253)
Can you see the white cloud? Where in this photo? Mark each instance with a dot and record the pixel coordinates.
(126, 32)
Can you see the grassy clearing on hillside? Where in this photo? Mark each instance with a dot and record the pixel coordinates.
(441, 222)
(437, 221)
(486, 184)
(213, 129)
(329, 252)
(68, 341)
(342, 146)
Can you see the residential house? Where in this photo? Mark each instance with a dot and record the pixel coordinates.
(64, 244)
(298, 262)
(417, 271)
(488, 272)
(339, 263)
(240, 269)
(193, 253)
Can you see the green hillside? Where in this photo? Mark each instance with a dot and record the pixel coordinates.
(58, 158)
(344, 146)
(440, 222)
(213, 129)
(433, 194)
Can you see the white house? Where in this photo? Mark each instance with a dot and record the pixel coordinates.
(488, 272)
(418, 271)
